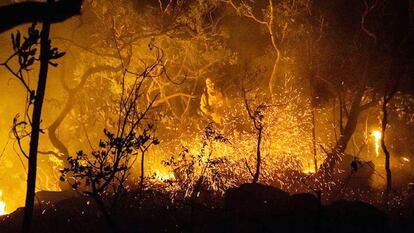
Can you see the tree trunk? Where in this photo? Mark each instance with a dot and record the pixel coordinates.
(334, 157)
(384, 147)
(273, 76)
(112, 227)
(258, 157)
(141, 186)
(315, 160)
(63, 150)
(396, 73)
(36, 119)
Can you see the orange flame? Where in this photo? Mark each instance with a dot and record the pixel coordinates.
(2, 204)
(377, 136)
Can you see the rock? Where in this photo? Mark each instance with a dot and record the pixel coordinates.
(256, 200)
(53, 197)
(354, 216)
(255, 208)
(303, 203)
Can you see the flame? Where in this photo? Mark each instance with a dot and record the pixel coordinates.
(308, 171)
(405, 159)
(2, 204)
(377, 136)
(162, 176)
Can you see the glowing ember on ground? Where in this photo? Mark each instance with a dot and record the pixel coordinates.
(377, 136)
(2, 204)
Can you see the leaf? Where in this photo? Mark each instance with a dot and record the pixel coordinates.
(13, 41)
(18, 39)
(32, 52)
(53, 64)
(59, 55)
(29, 62)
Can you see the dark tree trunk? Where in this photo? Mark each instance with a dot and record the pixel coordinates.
(334, 157)
(36, 119)
(141, 186)
(384, 147)
(63, 150)
(315, 160)
(397, 71)
(111, 224)
(258, 156)
(327, 168)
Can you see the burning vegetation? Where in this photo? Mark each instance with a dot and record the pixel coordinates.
(195, 108)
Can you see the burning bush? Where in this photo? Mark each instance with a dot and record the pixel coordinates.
(202, 170)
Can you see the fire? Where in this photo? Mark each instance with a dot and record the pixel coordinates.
(162, 176)
(377, 136)
(308, 170)
(2, 204)
(405, 159)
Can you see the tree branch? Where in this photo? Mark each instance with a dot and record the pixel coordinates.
(16, 14)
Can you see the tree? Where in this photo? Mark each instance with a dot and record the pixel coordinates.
(103, 173)
(354, 95)
(275, 18)
(199, 171)
(168, 24)
(256, 115)
(370, 35)
(26, 54)
(401, 53)
(146, 142)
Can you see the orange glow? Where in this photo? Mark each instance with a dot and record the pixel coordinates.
(204, 83)
(308, 171)
(163, 176)
(2, 204)
(377, 136)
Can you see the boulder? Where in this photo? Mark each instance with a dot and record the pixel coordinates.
(354, 216)
(256, 200)
(303, 203)
(53, 197)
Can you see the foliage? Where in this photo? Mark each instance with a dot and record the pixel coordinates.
(102, 175)
(25, 53)
(109, 165)
(200, 171)
(25, 58)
